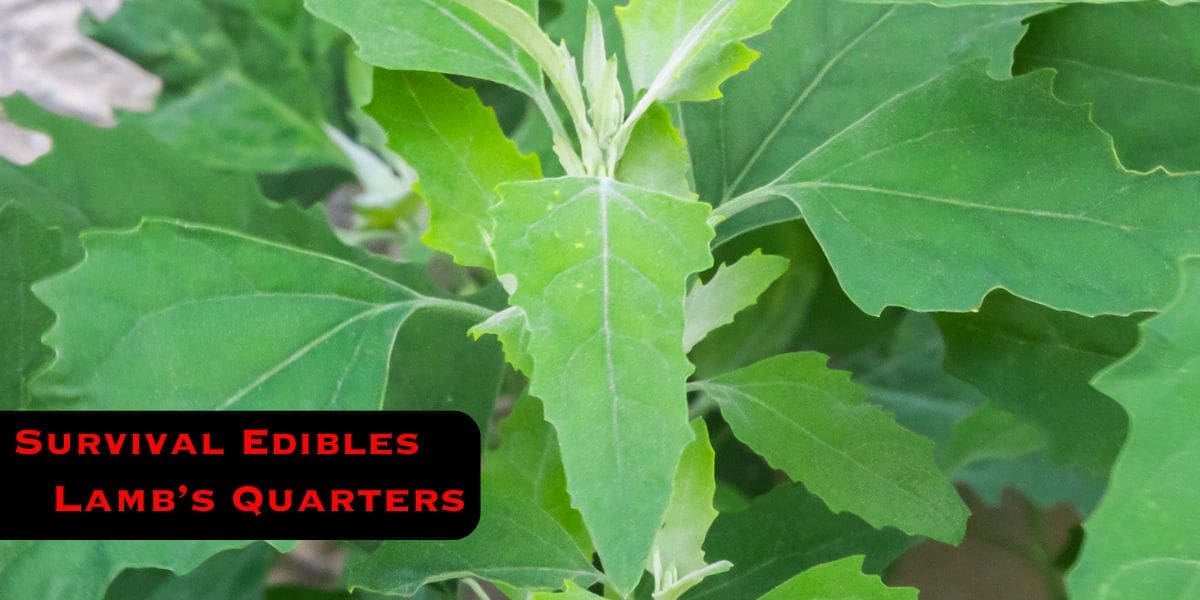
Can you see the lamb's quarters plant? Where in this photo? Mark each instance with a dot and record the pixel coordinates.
(770, 278)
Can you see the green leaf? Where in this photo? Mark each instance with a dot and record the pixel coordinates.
(1113, 58)
(147, 316)
(528, 535)
(964, 218)
(418, 377)
(571, 592)
(511, 328)
(825, 65)
(1140, 542)
(246, 86)
(751, 540)
(415, 36)
(112, 178)
(839, 580)
(528, 460)
(897, 357)
(989, 433)
(684, 49)
(951, 3)
(772, 325)
(677, 559)
(461, 155)
(238, 574)
(657, 157)
(732, 288)
(517, 543)
(817, 426)
(28, 252)
(1036, 363)
(296, 592)
(27, 568)
(599, 268)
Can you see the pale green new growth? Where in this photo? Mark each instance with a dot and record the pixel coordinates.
(656, 156)
(697, 52)
(838, 580)
(816, 425)
(677, 559)
(459, 152)
(600, 269)
(732, 288)
(414, 36)
(511, 327)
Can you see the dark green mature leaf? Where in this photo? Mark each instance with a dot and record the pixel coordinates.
(112, 178)
(684, 49)
(1140, 542)
(419, 377)
(147, 316)
(415, 36)
(732, 288)
(239, 574)
(599, 268)
(1025, 217)
(1036, 363)
(29, 569)
(246, 85)
(898, 358)
(28, 252)
(98, 177)
(294, 592)
(825, 65)
(783, 533)
(817, 426)
(459, 152)
(528, 535)
(989, 433)
(838, 580)
(1139, 67)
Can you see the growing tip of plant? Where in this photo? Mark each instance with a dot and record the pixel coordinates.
(595, 55)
